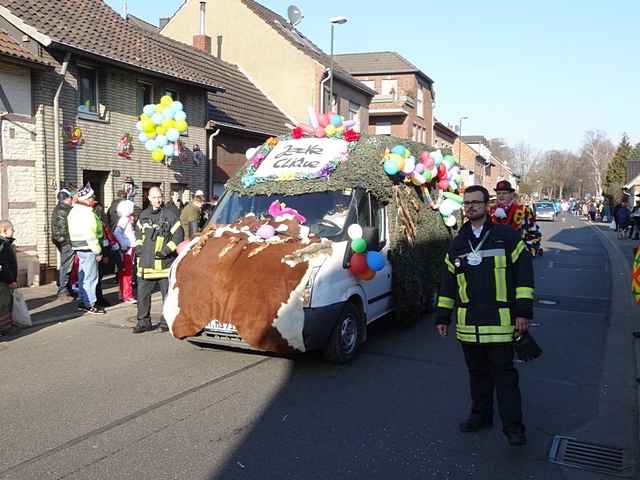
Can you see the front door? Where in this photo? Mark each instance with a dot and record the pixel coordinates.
(98, 180)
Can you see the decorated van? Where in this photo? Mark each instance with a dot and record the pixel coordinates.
(321, 233)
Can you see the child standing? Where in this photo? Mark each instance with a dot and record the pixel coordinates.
(125, 234)
(8, 274)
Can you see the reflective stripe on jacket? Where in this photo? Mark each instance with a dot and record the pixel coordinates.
(84, 231)
(487, 297)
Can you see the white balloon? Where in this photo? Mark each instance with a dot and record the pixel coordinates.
(437, 157)
(451, 221)
(250, 153)
(355, 231)
(409, 165)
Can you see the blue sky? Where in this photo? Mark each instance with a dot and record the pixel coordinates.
(543, 72)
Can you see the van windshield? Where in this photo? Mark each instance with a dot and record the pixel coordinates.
(326, 212)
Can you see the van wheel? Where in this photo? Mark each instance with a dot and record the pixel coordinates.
(347, 334)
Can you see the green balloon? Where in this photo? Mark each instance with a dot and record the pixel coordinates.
(359, 245)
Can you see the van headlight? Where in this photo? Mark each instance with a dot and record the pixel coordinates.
(308, 288)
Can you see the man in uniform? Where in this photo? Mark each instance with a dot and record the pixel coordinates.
(158, 234)
(488, 281)
(508, 211)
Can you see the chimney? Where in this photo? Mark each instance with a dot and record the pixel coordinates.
(163, 22)
(220, 47)
(202, 41)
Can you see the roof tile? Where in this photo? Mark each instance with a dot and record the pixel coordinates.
(371, 63)
(11, 48)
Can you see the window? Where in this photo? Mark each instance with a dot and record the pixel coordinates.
(420, 102)
(354, 111)
(144, 95)
(389, 88)
(369, 83)
(172, 93)
(414, 136)
(383, 128)
(379, 220)
(87, 90)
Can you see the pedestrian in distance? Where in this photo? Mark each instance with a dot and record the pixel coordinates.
(126, 237)
(158, 234)
(635, 220)
(60, 237)
(623, 218)
(191, 216)
(488, 282)
(84, 232)
(8, 274)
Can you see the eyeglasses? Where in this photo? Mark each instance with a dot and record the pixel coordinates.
(473, 203)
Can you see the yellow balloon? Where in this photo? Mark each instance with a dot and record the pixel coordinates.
(167, 124)
(340, 130)
(181, 126)
(172, 124)
(398, 159)
(147, 125)
(151, 134)
(160, 130)
(166, 101)
(144, 117)
(160, 108)
(157, 155)
(330, 130)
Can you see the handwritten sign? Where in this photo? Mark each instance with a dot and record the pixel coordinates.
(303, 157)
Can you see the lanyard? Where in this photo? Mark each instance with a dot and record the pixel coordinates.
(474, 251)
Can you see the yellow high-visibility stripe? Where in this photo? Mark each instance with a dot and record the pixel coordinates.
(496, 338)
(500, 270)
(505, 316)
(468, 329)
(463, 337)
(520, 247)
(462, 317)
(462, 288)
(524, 292)
(171, 245)
(445, 302)
(450, 266)
(175, 227)
(495, 330)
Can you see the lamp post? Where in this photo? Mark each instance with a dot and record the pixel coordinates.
(334, 21)
(460, 138)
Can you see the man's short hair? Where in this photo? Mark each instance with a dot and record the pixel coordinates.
(5, 225)
(199, 198)
(478, 188)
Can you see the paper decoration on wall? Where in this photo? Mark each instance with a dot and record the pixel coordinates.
(72, 136)
(125, 147)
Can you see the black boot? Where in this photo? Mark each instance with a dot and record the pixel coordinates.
(474, 424)
(515, 436)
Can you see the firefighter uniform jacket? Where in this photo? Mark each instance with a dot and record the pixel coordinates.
(158, 234)
(487, 297)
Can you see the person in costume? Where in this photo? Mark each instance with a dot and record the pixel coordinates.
(507, 211)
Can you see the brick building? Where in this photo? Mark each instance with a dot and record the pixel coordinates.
(489, 168)
(103, 70)
(403, 105)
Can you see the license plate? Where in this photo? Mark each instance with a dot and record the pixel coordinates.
(222, 327)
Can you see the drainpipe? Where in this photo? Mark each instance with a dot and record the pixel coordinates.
(56, 120)
(211, 167)
(322, 84)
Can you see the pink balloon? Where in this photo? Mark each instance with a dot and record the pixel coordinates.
(320, 132)
(443, 184)
(324, 120)
(424, 156)
(306, 128)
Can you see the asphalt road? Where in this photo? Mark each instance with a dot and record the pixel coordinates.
(86, 399)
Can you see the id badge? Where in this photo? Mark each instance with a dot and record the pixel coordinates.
(474, 259)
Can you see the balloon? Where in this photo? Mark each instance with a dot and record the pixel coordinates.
(336, 120)
(448, 206)
(160, 130)
(139, 126)
(451, 221)
(399, 150)
(143, 138)
(306, 128)
(437, 157)
(443, 184)
(409, 165)
(168, 150)
(418, 179)
(149, 110)
(147, 125)
(249, 154)
(454, 196)
(173, 135)
(181, 126)
(339, 131)
(266, 232)
(167, 124)
(323, 120)
(453, 185)
(355, 231)
(320, 133)
(427, 176)
(348, 123)
(150, 145)
(442, 171)
(157, 118)
(367, 275)
(157, 155)
(390, 167)
(419, 168)
(458, 179)
(180, 115)
(330, 130)
(160, 108)
(359, 245)
(449, 161)
(398, 160)
(166, 100)
(177, 106)
(150, 134)
(434, 172)
(375, 261)
(358, 264)
(161, 140)
(424, 156)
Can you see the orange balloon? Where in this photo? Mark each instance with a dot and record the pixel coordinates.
(367, 275)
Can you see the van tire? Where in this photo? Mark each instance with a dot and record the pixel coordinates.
(346, 337)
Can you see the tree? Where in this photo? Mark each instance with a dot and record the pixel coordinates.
(597, 151)
(616, 170)
(523, 158)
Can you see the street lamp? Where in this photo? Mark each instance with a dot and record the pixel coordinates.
(460, 138)
(334, 21)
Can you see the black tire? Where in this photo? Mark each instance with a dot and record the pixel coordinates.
(347, 335)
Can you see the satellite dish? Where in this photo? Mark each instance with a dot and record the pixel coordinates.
(295, 15)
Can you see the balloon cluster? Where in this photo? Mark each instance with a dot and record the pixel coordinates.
(449, 206)
(160, 127)
(429, 167)
(363, 264)
(326, 125)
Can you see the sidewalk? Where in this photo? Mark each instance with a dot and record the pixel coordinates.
(45, 307)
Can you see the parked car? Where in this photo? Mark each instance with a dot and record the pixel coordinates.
(545, 211)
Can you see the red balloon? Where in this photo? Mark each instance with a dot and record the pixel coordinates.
(358, 264)
(443, 184)
(368, 275)
(442, 171)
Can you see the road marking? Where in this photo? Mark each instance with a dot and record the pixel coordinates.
(547, 302)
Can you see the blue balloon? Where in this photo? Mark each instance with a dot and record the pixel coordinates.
(149, 110)
(167, 114)
(336, 120)
(375, 261)
(168, 150)
(390, 167)
(143, 138)
(157, 118)
(139, 126)
(399, 150)
(150, 145)
(180, 115)
(173, 135)
(161, 141)
(177, 106)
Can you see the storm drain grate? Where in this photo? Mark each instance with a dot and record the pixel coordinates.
(592, 457)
